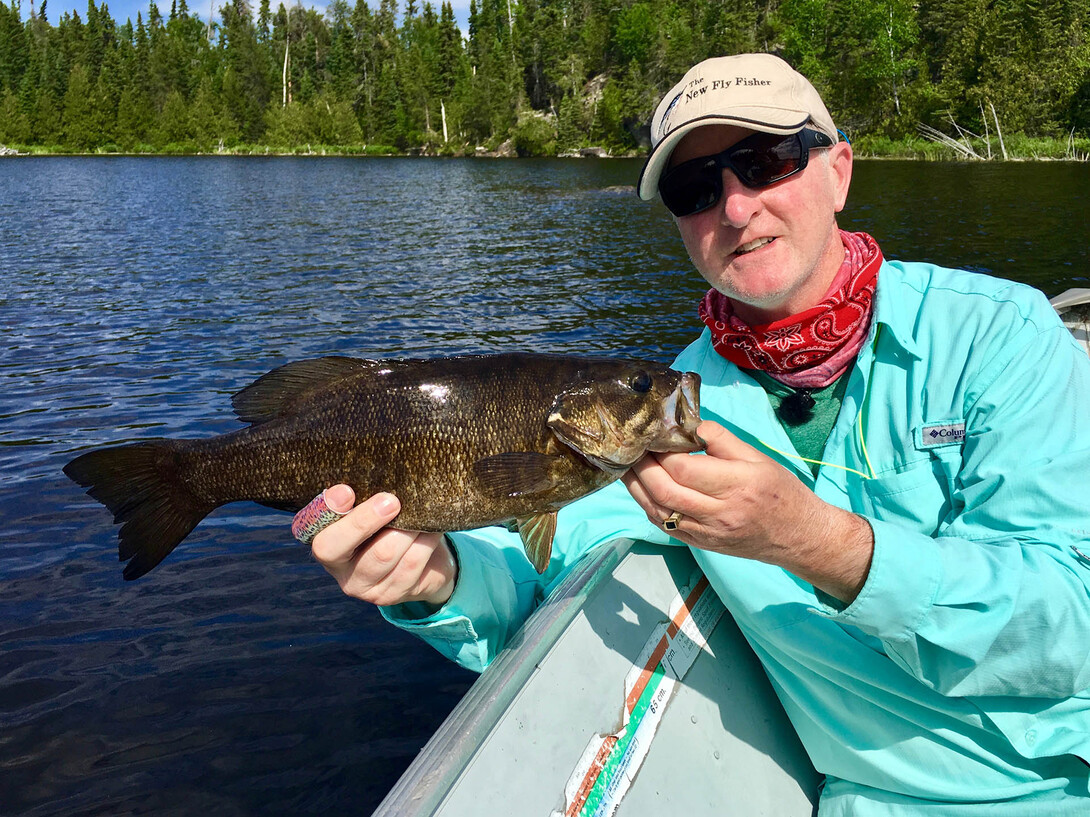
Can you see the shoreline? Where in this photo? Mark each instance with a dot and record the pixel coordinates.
(1021, 149)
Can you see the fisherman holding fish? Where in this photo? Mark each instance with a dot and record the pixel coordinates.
(892, 499)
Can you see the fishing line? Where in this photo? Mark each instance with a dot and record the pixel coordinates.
(819, 462)
(858, 425)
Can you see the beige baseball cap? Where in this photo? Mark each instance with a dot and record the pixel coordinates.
(756, 91)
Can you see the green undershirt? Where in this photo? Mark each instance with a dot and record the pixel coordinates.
(809, 438)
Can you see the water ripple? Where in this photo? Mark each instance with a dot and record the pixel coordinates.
(136, 295)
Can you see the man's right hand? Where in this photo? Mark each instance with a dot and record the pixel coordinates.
(379, 564)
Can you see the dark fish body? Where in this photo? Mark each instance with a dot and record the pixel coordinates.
(463, 442)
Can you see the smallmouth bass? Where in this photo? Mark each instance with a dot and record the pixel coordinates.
(463, 442)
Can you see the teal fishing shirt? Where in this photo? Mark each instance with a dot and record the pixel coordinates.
(957, 681)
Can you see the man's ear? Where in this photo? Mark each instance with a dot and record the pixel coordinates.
(840, 166)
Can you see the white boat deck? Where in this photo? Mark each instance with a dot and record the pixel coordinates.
(723, 747)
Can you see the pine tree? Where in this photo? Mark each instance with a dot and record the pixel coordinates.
(14, 125)
(339, 60)
(78, 106)
(14, 50)
(246, 81)
(46, 122)
(174, 127)
(362, 66)
(104, 99)
(134, 121)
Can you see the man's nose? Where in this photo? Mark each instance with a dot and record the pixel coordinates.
(739, 203)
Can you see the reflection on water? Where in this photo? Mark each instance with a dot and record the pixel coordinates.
(137, 294)
(1020, 220)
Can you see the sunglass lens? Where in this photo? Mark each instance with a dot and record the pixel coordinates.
(757, 161)
(686, 190)
(768, 160)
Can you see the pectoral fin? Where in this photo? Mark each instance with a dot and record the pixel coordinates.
(515, 473)
(537, 537)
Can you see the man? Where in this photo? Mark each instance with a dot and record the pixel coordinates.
(892, 501)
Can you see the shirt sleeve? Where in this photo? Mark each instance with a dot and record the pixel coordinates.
(497, 587)
(998, 603)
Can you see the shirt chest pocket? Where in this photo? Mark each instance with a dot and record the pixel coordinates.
(920, 495)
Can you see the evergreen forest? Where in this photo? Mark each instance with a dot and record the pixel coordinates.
(532, 77)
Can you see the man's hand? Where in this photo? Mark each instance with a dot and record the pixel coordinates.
(379, 564)
(736, 500)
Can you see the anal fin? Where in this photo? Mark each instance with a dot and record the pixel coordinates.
(537, 538)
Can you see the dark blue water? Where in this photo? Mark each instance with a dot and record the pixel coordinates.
(136, 295)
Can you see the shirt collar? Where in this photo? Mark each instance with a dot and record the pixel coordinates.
(895, 307)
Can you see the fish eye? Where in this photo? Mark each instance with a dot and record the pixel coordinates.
(641, 383)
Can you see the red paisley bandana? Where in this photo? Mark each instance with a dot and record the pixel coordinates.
(813, 348)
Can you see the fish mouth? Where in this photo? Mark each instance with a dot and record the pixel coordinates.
(670, 428)
(680, 418)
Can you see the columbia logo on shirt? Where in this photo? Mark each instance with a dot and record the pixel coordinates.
(943, 434)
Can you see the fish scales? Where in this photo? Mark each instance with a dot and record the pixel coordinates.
(463, 442)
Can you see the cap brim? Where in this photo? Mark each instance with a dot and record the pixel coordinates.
(757, 119)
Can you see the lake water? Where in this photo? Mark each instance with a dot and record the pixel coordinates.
(137, 294)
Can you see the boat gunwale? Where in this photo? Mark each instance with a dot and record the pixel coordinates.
(428, 780)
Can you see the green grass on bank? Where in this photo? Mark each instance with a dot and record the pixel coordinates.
(1018, 148)
(189, 149)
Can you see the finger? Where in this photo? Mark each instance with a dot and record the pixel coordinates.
(315, 517)
(658, 493)
(727, 464)
(414, 570)
(340, 498)
(337, 544)
(668, 519)
(639, 493)
(385, 549)
(724, 445)
(369, 566)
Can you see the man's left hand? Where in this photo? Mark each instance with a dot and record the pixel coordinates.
(737, 501)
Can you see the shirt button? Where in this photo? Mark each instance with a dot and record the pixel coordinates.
(1031, 737)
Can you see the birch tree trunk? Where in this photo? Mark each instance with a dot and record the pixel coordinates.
(284, 76)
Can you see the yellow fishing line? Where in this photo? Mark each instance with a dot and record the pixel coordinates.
(866, 397)
(863, 443)
(858, 424)
(816, 462)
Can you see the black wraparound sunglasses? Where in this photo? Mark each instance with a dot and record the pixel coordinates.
(757, 161)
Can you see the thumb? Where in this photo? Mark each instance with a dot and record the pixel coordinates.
(339, 498)
(723, 445)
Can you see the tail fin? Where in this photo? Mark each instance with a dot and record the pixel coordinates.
(141, 485)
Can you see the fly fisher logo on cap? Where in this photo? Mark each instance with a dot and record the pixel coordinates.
(664, 125)
(699, 87)
(758, 92)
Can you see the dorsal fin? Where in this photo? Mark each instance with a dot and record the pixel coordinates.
(275, 393)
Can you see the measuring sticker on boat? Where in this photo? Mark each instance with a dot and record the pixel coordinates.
(609, 764)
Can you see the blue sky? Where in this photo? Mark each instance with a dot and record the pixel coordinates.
(122, 9)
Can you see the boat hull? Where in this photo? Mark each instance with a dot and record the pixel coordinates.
(723, 744)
